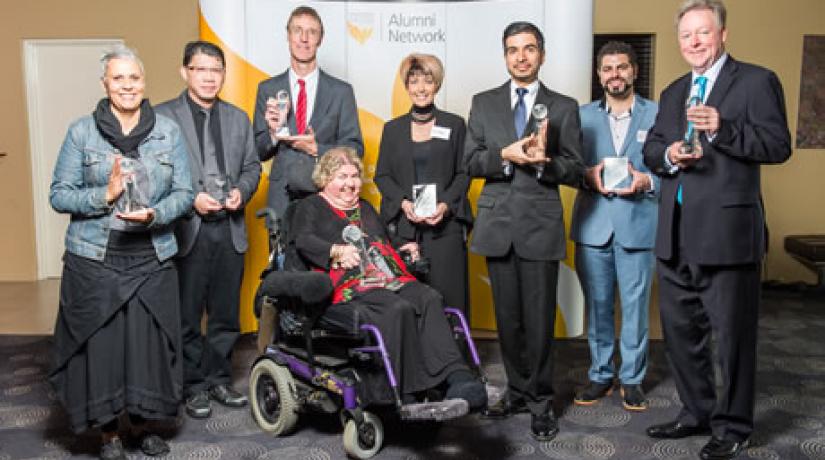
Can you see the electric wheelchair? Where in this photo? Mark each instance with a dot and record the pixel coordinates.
(307, 366)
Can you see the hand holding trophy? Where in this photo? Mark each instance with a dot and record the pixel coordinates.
(277, 112)
(539, 113)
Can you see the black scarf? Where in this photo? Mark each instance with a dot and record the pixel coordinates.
(109, 127)
(423, 114)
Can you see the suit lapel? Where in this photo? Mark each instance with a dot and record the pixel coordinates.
(720, 88)
(543, 96)
(506, 116)
(607, 140)
(187, 124)
(636, 115)
(683, 92)
(226, 142)
(322, 99)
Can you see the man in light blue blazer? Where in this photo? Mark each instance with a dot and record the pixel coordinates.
(614, 225)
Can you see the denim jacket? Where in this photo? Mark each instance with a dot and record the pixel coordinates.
(82, 174)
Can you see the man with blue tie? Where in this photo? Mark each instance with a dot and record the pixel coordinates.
(520, 228)
(711, 235)
(614, 223)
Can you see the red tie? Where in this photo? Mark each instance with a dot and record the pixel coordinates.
(301, 109)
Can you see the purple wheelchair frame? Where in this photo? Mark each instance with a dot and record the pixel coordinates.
(333, 383)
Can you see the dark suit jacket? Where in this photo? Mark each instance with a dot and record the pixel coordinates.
(334, 121)
(242, 165)
(395, 173)
(520, 210)
(722, 220)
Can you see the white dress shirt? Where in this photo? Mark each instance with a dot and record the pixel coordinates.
(311, 88)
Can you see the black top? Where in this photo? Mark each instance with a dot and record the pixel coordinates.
(397, 169)
(214, 130)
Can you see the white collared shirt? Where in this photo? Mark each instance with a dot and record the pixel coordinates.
(529, 98)
(712, 74)
(311, 89)
(619, 125)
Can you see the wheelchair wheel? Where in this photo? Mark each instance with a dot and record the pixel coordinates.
(273, 402)
(363, 441)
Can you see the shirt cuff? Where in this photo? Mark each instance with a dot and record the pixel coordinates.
(670, 167)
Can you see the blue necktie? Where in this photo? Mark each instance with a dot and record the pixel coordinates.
(520, 112)
(697, 97)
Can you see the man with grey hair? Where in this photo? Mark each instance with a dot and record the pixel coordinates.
(711, 234)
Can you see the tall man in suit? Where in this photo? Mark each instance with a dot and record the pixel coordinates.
(711, 236)
(614, 226)
(322, 114)
(212, 239)
(520, 228)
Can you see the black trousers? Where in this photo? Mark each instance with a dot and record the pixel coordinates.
(210, 281)
(524, 292)
(700, 304)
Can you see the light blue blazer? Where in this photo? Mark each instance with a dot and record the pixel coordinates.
(631, 220)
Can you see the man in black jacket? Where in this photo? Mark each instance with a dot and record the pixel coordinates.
(711, 233)
(519, 227)
(212, 239)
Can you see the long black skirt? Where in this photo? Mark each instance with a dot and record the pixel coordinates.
(117, 340)
(416, 333)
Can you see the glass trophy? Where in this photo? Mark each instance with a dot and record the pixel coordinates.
(424, 200)
(132, 199)
(217, 186)
(539, 113)
(692, 144)
(615, 172)
(282, 104)
(374, 269)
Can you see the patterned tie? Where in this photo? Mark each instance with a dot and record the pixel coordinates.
(520, 112)
(697, 97)
(301, 108)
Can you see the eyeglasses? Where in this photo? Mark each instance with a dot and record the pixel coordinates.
(205, 70)
(300, 31)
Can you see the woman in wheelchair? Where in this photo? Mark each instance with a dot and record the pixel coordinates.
(338, 233)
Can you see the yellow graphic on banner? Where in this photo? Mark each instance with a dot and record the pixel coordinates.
(240, 88)
(360, 34)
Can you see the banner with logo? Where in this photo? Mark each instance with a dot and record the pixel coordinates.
(363, 44)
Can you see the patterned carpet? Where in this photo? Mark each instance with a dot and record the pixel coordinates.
(790, 409)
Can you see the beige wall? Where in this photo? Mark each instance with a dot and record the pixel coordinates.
(761, 31)
(764, 32)
(158, 30)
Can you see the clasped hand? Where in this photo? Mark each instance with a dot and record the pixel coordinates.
(640, 182)
(276, 119)
(531, 150)
(409, 212)
(205, 204)
(114, 188)
(705, 119)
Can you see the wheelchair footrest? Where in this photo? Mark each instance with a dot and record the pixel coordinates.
(324, 360)
(438, 410)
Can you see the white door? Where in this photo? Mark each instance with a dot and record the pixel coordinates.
(62, 84)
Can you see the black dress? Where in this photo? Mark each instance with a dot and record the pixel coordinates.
(117, 336)
(402, 163)
(411, 319)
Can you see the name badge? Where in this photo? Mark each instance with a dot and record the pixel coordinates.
(641, 135)
(440, 132)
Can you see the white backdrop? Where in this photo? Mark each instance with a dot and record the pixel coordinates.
(364, 43)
